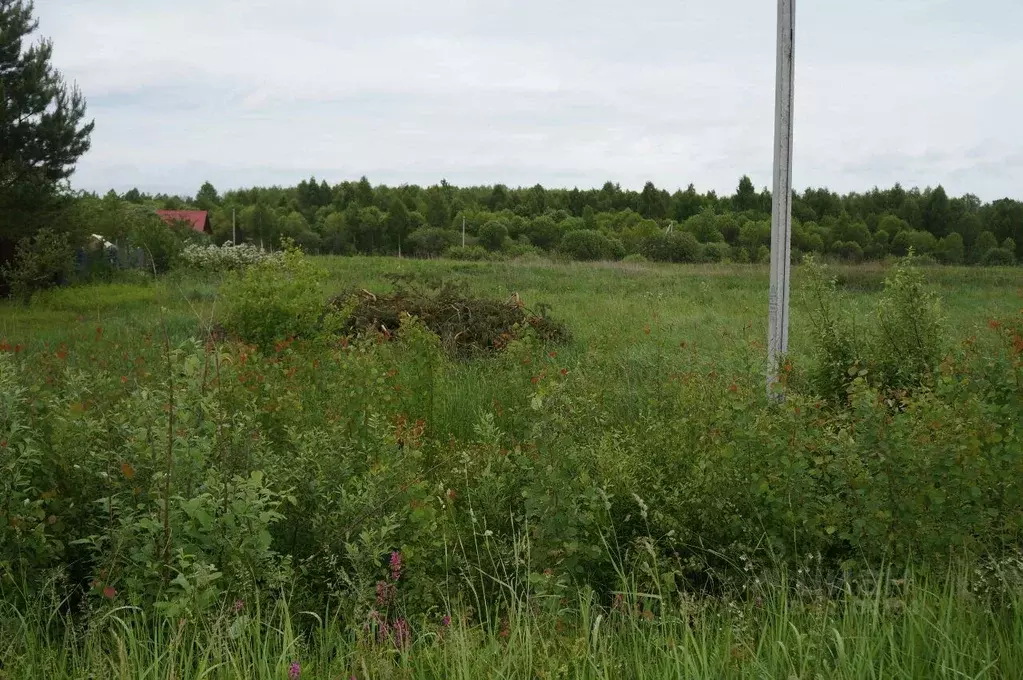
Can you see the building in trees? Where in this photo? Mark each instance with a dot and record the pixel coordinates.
(198, 220)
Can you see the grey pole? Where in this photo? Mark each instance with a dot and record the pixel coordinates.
(234, 233)
(463, 231)
(781, 212)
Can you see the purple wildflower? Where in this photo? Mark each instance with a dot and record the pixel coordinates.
(238, 605)
(395, 565)
(446, 621)
(383, 632)
(294, 671)
(386, 592)
(402, 634)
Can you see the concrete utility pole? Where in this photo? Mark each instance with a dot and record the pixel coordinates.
(234, 233)
(463, 232)
(781, 212)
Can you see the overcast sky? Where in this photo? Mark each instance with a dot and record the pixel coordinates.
(560, 92)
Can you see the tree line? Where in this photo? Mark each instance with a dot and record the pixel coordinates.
(357, 217)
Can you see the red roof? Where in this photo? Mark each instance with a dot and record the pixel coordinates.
(199, 219)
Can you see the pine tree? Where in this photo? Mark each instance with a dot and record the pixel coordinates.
(42, 128)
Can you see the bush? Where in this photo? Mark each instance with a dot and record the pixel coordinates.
(985, 241)
(471, 253)
(228, 257)
(635, 258)
(899, 351)
(274, 300)
(492, 235)
(850, 251)
(951, 249)
(39, 262)
(160, 243)
(714, 252)
(522, 249)
(590, 245)
(431, 241)
(677, 246)
(998, 257)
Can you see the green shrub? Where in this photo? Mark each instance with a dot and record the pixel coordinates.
(635, 258)
(160, 243)
(521, 248)
(274, 300)
(715, 252)
(985, 241)
(431, 241)
(998, 257)
(471, 253)
(909, 338)
(848, 250)
(492, 235)
(589, 245)
(676, 246)
(898, 350)
(39, 262)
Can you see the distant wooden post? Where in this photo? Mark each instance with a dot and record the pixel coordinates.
(781, 212)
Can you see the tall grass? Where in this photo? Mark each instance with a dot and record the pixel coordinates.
(914, 626)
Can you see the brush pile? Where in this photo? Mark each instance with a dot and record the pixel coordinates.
(466, 325)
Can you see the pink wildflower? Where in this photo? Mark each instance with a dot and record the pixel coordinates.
(395, 565)
(446, 621)
(386, 592)
(294, 671)
(238, 605)
(402, 634)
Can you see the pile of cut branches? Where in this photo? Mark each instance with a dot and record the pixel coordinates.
(466, 325)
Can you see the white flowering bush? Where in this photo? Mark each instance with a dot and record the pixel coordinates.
(228, 257)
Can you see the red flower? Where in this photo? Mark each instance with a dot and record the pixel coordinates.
(110, 592)
(535, 379)
(564, 371)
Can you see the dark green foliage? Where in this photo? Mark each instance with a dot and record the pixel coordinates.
(588, 245)
(714, 252)
(159, 242)
(42, 128)
(746, 195)
(472, 253)
(492, 235)
(998, 257)
(676, 246)
(40, 261)
(431, 241)
(43, 133)
(951, 249)
(850, 251)
(985, 242)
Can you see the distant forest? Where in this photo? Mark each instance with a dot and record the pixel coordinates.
(605, 223)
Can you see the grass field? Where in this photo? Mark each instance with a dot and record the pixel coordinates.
(621, 505)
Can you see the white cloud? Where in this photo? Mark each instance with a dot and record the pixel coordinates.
(560, 93)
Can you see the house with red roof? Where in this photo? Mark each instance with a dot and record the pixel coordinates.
(199, 220)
